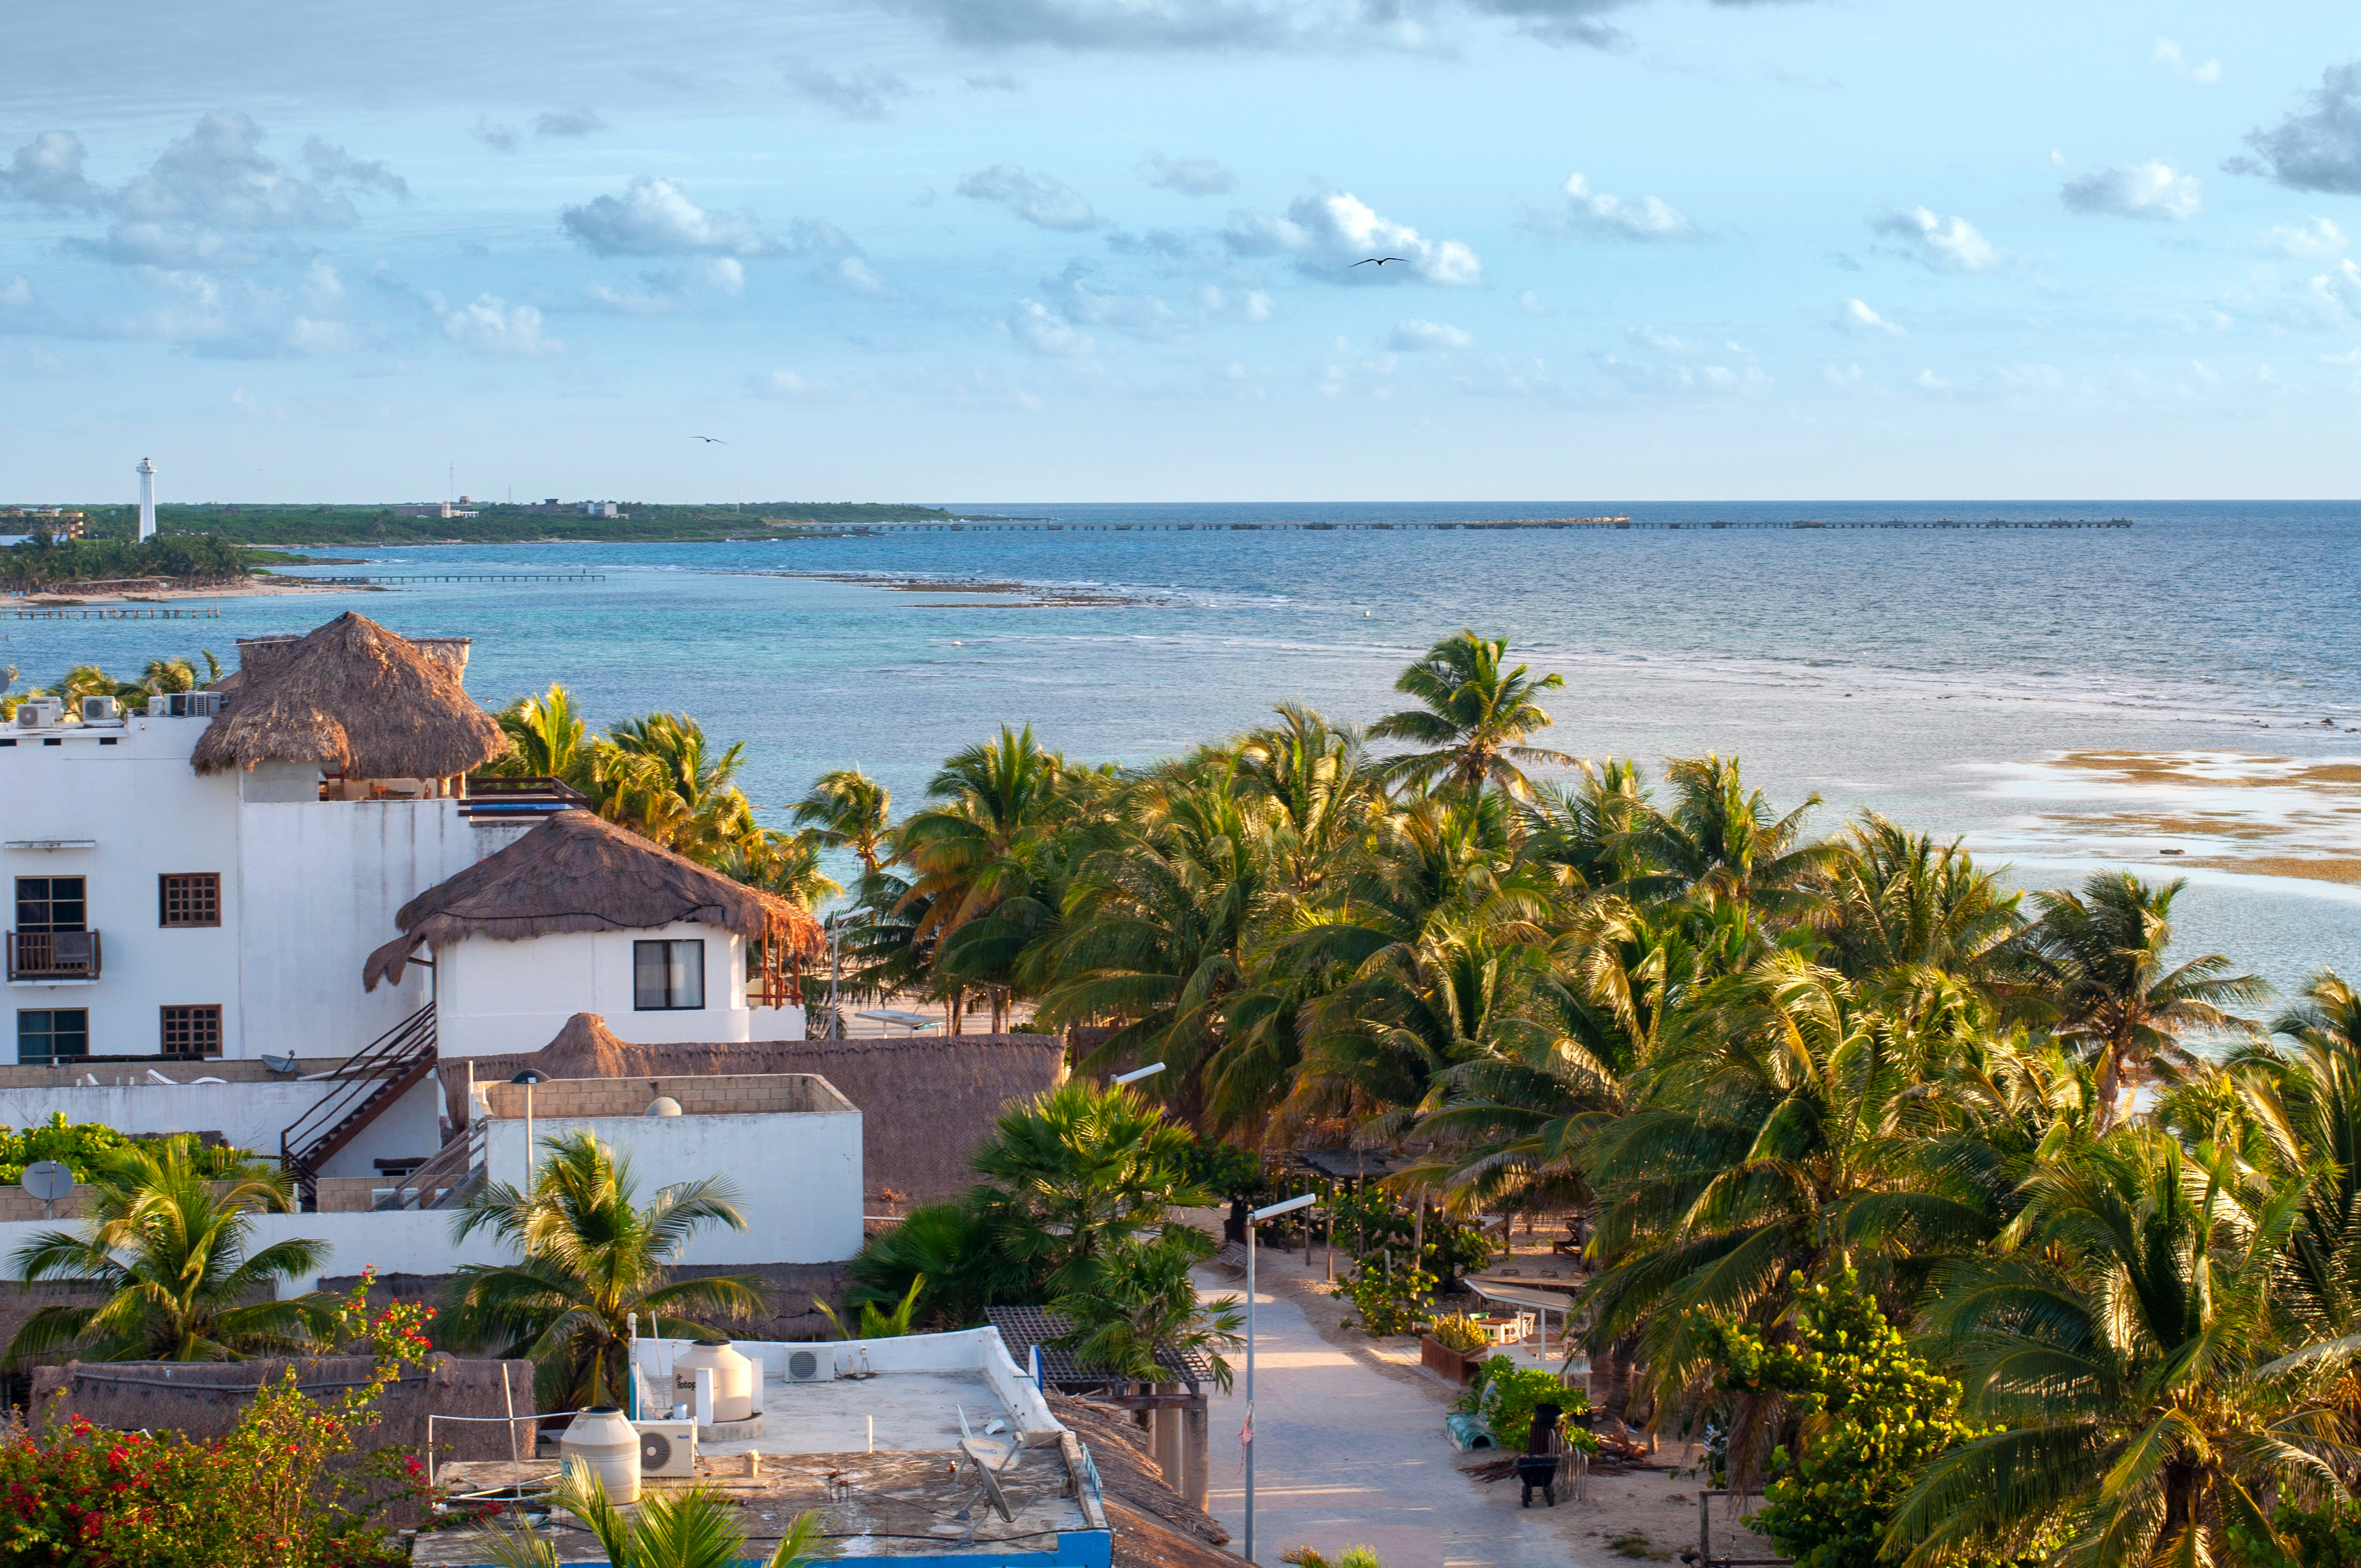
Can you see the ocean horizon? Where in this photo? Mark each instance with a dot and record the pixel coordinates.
(2061, 698)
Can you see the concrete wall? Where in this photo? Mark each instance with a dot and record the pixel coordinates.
(321, 881)
(699, 1094)
(498, 997)
(149, 816)
(963, 1350)
(797, 1176)
(406, 1242)
(250, 1115)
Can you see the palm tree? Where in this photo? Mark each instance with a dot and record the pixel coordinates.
(697, 1527)
(1140, 1310)
(2122, 1347)
(847, 809)
(1317, 780)
(784, 864)
(179, 675)
(2097, 962)
(1473, 717)
(169, 1253)
(545, 737)
(590, 1255)
(1721, 843)
(1584, 832)
(1083, 1171)
(1156, 930)
(659, 776)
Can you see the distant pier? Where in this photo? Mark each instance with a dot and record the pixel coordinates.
(1033, 526)
(460, 577)
(114, 612)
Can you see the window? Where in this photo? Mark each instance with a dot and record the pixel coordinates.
(667, 976)
(52, 1035)
(193, 1031)
(52, 903)
(189, 898)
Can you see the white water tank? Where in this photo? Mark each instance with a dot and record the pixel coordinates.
(604, 1439)
(733, 1379)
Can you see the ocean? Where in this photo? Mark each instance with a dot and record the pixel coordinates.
(2061, 698)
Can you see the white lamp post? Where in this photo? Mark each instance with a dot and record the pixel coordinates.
(528, 1078)
(1135, 1074)
(1253, 1219)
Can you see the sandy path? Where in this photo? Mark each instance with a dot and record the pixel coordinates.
(1352, 1452)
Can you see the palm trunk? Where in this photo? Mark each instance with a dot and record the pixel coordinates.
(1622, 1356)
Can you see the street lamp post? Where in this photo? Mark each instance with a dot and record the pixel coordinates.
(528, 1078)
(1135, 1074)
(1253, 1219)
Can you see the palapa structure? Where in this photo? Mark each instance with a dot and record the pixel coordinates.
(577, 871)
(356, 700)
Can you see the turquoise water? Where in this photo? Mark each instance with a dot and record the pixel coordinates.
(1926, 675)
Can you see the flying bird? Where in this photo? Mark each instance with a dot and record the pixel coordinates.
(714, 440)
(1377, 260)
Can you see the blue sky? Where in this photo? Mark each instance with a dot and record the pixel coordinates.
(1099, 249)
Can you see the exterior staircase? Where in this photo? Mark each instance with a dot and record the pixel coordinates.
(369, 1084)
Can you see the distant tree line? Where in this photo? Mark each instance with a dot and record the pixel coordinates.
(198, 559)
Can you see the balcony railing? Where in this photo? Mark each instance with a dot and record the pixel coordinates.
(53, 955)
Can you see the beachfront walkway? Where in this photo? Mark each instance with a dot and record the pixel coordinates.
(1349, 1455)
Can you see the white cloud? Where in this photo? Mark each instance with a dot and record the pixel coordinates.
(492, 325)
(655, 217)
(1037, 199)
(860, 277)
(787, 386)
(674, 292)
(1595, 212)
(567, 123)
(2333, 298)
(1415, 336)
(994, 82)
(2167, 54)
(841, 263)
(2318, 148)
(1070, 295)
(1677, 368)
(2151, 190)
(47, 171)
(863, 95)
(1217, 304)
(18, 295)
(2313, 241)
(1862, 321)
(1042, 330)
(1843, 375)
(1954, 247)
(1530, 302)
(498, 137)
(1188, 176)
(1328, 235)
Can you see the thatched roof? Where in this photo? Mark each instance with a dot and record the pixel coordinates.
(355, 698)
(925, 1104)
(577, 871)
(1155, 1526)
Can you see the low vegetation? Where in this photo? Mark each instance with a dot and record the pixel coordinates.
(496, 522)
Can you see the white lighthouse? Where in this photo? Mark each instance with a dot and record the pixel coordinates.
(146, 472)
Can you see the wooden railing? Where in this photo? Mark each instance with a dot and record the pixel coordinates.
(53, 955)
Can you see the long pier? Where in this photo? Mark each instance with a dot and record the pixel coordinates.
(114, 612)
(460, 577)
(1593, 523)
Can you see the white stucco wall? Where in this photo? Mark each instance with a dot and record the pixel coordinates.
(497, 996)
(797, 1175)
(149, 814)
(322, 880)
(405, 1241)
(250, 1115)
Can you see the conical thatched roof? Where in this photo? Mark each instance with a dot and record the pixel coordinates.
(577, 871)
(358, 700)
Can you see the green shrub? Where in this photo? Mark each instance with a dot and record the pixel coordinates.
(2325, 1537)
(83, 1148)
(1390, 1300)
(1506, 1394)
(1875, 1414)
(1458, 1332)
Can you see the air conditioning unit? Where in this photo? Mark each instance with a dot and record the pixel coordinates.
(186, 705)
(810, 1365)
(100, 710)
(41, 713)
(667, 1448)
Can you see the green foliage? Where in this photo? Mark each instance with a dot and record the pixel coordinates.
(1505, 1393)
(281, 1490)
(1458, 1332)
(86, 1147)
(874, 1323)
(1354, 1557)
(1390, 1300)
(2328, 1536)
(1873, 1413)
(1141, 1304)
(694, 1528)
(1370, 1221)
(1223, 1168)
(198, 561)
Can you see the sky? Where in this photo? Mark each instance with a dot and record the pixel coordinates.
(1002, 250)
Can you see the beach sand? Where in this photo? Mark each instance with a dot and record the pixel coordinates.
(158, 593)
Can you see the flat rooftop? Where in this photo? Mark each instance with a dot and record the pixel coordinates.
(919, 1492)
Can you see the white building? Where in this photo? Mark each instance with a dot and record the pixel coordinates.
(206, 879)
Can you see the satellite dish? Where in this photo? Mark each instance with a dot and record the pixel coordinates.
(48, 1179)
(280, 1064)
